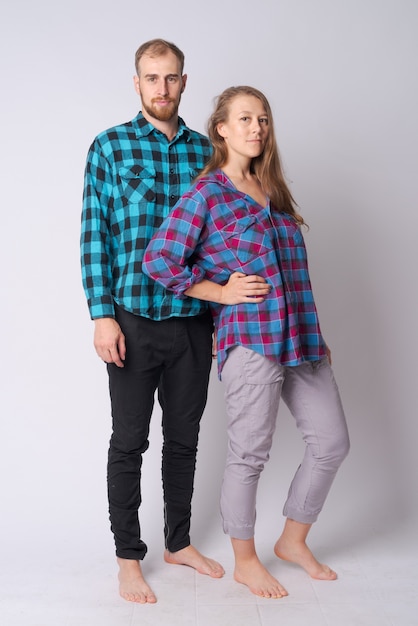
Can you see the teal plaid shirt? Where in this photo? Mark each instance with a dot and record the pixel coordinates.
(134, 175)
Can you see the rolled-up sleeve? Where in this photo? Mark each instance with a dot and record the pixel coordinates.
(168, 258)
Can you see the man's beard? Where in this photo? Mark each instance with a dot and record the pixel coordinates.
(162, 114)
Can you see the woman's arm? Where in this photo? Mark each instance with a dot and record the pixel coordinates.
(239, 289)
(166, 259)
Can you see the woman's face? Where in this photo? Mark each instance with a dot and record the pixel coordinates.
(246, 130)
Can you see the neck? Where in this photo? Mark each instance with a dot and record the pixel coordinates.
(168, 128)
(238, 171)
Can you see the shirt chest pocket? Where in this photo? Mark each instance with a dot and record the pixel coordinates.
(137, 183)
(247, 239)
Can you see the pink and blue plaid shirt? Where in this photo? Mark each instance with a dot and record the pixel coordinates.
(215, 230)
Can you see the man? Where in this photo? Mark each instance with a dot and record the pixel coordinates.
(150, 339)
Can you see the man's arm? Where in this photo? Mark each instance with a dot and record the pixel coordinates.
(95, 236)
(109, 340)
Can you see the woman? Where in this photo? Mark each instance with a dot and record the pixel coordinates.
(235, 240)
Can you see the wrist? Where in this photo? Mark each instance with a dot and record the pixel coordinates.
(100, 321)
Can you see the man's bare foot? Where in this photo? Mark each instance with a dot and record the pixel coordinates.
(300, 554)
(132, 585)
(193, 558)
(251, 572)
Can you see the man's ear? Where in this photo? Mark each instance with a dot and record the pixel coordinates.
(136, 84)
(184, 81)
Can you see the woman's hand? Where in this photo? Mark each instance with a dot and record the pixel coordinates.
(241, 288)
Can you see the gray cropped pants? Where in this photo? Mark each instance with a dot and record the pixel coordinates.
(253, 387)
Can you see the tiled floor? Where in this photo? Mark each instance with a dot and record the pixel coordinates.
(377, 586)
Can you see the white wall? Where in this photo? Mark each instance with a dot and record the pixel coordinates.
(341, 77)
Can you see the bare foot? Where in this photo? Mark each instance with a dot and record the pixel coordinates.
(132, 585)
(300, 554)
(258, 579)
(193, 558)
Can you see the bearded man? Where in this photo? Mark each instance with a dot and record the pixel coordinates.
(149, 339)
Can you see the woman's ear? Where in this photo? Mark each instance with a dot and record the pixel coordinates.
(221, 129)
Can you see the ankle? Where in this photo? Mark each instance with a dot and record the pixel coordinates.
(128, 564)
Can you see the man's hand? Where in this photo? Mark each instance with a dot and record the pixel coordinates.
(109, 341)
(241, 288)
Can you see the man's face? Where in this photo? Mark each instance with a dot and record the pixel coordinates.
(160, 86)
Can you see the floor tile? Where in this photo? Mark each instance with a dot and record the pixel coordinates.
(224, 615)
(224, 591)
(402, 613)
(162, 614)
(279, 612)
(349, 585)
(355, 614)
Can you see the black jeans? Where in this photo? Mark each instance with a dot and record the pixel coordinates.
(173, 356)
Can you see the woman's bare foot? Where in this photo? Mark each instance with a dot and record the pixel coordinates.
(291, 546)
(251, 572)
(300, 554)
(132, 585)
(193, 558)
(258, 579)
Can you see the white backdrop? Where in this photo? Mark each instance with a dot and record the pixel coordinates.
(342, 80)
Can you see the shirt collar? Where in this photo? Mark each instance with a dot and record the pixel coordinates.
(143, 128)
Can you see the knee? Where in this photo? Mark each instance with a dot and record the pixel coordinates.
(336, 451)
(181, 450)
(247, 462)
(128, 445)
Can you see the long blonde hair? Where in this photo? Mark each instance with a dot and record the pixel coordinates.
(266, 167)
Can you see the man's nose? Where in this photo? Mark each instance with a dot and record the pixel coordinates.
(163, 86)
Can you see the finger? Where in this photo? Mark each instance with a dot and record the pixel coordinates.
(257, 287)
(254, 278)
(114, 354)
(256, 291)
(110, 355)
(122, 347)
(254, 299)
(329, 356)
(102, 353)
